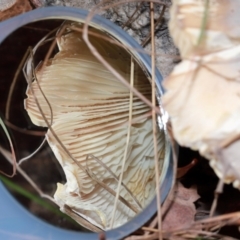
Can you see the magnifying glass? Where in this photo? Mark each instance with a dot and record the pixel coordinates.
(18, 223)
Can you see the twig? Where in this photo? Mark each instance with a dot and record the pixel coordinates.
(218, 191)
(14, 162)
(127, 48)
(32, 154)
(154, 121)
(103, 61)
(24, 131)
(159, 20)
(13, 84)
(112, 192)
(7, 155)
(127, 142)
(130, 20)
(79, 219)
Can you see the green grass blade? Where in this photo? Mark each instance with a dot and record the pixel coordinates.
(204, 23)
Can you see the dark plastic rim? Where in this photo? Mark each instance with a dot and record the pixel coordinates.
(15, 221)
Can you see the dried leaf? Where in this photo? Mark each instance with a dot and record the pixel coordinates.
(182, 211)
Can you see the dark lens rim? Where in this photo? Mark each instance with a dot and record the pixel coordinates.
(16, 221)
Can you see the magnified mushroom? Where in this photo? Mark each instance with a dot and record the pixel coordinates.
(90, 114)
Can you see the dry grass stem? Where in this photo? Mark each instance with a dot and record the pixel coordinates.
(14, 83)
(154, 119)
(8, 156)
(127, 48)
(14, 160)
(127, 142)
(33, 153)
(131, 19)
(159, 20)
(83, 222)
(24, 131)
(94, 51)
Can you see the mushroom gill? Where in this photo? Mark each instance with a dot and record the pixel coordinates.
(90, 114)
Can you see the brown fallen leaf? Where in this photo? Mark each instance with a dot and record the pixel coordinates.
(17, 7)
(181, 212)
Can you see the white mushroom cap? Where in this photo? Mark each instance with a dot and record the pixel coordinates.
(203, 100)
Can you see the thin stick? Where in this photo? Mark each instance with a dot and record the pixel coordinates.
(127, 48)
(13, 84)
(111, 191)
(24, 131)
(150, 229)
(109, 67)
(7, 155)
(127, 143)
(130, 20)
(218, 190)
(14, 162)
(79, 219)
(32, 154)
(145, 41)
(206, 223)
(154, 120)
(51, 113)
(53, 45)
(201, 233)
(144, 237)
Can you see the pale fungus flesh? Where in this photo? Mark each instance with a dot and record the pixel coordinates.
(202, 96)
(90, 113)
